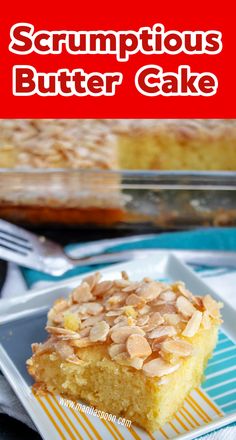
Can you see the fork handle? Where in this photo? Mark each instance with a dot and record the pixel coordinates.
(206, 258)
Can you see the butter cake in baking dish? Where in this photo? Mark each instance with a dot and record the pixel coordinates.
(133, 349)
(190, 144)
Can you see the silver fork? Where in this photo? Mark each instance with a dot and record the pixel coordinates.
(37, 252)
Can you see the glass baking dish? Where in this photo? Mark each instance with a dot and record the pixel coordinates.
(118, 199)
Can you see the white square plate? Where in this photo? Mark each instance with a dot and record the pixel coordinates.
(209, 407)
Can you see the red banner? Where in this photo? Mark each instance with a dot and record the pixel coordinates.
(117, 60)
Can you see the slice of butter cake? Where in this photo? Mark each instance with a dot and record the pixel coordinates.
(133, 349)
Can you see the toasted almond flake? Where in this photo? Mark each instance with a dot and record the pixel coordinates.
(131, 288)
(121, 284)
(193, 324)
(121, 334)
(60, 331)
(138, 346)
(122, 358)
(92, 320)
(115, 349)
(155, 320)
(92, 280)
(60, 305)
(124, 275)
(166, 308)
(120, 324)
(55, 318)
(82, 293)
(83, 342)
(142, 320)
(171, 318)
(211, 306)
(168, 295)
(102, 288)
(134, 300)
(90, 308)
(120, 318)
(178, 347)
(158, 367)
(115, 300)
(63, 349)
(149, 291)
(99, 332)
(85, 332)
(164, 330)
(185, 292)
(206, 320)
(184, 306)
(116, 312)
(144, 310)
(156, 343)
(136, 363)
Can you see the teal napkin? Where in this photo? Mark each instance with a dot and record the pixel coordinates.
(208, 239)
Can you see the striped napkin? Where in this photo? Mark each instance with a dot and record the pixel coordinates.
(222, 280)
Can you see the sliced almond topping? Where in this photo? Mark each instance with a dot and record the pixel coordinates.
(193, 324)
(115, 300)
(182, 289)
(60, 331)
(184, 306)
(102, 288)
(164, 330)
(144, 310)
(121, 334)
(158, 367)
(116, 312)
(63, 349)
(156, 343)
(171, 318)
(92, 280)
(92, 320)
(121, 284)
(136, 363)
(99, 332)
(206, 320)
(55, 318)
(134, 300)
(82, 293)
(166, 308)
(142, 320)
(168, 295)
(138, 346)
(60, 305)
(124, 275)
(155, 320)
(85, 332)
(211, 306)
(115, 349)
(178, 347)
(83, 342)
(131, 287)
(149, 291)
(90, 308)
